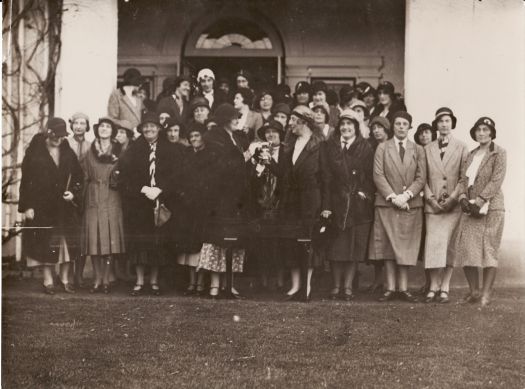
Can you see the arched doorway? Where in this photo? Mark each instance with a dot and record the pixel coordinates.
(236, 40)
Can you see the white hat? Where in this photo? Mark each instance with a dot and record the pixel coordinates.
(205, 73)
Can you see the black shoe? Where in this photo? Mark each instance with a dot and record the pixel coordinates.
(106, 289)
(137, 290)
(443, 297)
(155, 290)
(290, 297)
(49, 289)
(68, 288)
(407, 296)
(387, 296)
(334, 294)
(431, 296)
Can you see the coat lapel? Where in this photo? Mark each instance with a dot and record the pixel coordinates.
(434, 155)
(305, 152)
(132, 108)
(452, 149)
(394, 155)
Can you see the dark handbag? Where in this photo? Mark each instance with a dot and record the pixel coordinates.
(161, 213)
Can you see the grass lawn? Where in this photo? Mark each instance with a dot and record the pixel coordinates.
(170, 341)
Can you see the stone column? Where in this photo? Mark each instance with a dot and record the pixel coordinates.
(469, 56)
(87, 70)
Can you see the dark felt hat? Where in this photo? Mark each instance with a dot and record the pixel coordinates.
(444, 111)
(195, 127)
(149, 117)
(132, 76)
(180, 79)
(423, 127)
(319, 86)
(105, 119)
(282, 107)
(225, 113)
(125, 125)
(488, 122)
(57, 127)
(386, 87)
(199, 101)
(274, 124)
(303, 87)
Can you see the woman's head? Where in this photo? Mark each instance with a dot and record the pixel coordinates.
(424, 134)
(79, 123)
(206, 79)
(348, 124)
(243, 98)
(195, 135)
(272, 132)
(484, 130)
(444, 121)
(149, 127)
(226, 116)
(265, 100)
(319, 92)
(281, 113)
(124, 132)
(173, 130)
(386, 93)
(105, 128)
(360, 108)
(56, 131)
(301, 120)
(321, 113)
(303, 92)
(200, 109)
(402, 123)
(242, 79)
(380, 128)
(163, 116)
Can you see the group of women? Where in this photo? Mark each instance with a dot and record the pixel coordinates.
(141, 194)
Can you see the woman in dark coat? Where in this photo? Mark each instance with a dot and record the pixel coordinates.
(266, 179)
(195, 204)
(481, 199)
(302, 191)
(388, 103)
(348, 196)
(230, 148)
(49, 198)
(149, 174)
(103, 225)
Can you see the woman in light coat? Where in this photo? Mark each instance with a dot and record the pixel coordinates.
(445, 159)
(481, 200)
(399, 175)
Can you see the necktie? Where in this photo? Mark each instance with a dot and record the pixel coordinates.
(442, 147)
(152, 159)
(401, 151)
(344, 145)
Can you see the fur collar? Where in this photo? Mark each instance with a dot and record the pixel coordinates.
(106, 156)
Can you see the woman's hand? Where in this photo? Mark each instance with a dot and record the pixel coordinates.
(361, 195)
(326, 214)
(29, 214)
(435, 205)
(68, 196)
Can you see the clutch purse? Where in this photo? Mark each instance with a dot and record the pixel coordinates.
(161, 213)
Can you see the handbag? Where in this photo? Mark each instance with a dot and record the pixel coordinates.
(161, 214)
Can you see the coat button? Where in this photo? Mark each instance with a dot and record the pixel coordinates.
(445, 178)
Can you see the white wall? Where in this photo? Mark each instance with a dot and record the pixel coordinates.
(469, 55)
(87, 70)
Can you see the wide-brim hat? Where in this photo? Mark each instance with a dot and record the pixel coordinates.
(444, 111)
(274, 124)
(305, 113)
(423, 127)
(488, 122)
(351, 115)
(149, 117)
(225, 113)
(57, 127)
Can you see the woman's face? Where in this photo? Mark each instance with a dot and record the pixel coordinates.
(425, 137)
(347, 129)
(79, 126)
(122, 136)
(232, 124)
(295, 124)
(272, 136)
(303, 98)
(242, 82)
(444, 125)
(281, 118)
(200, 114)
(225, 87)
(163, 117)
(238, 101)
(384, 98)
(142, 94)
(173, 133)
(104, 130)
(360, 113)
(319, 97)
(319, 116)
(206, 84)
(482, 134)
(184, 88)
(401, 127)
(369, 100)
(55, 141)
(150, 132)
(196, 140)
(379, 132)
(266, 102)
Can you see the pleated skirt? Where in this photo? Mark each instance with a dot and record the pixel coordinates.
(103, 232)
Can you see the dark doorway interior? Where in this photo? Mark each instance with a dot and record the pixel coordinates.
(263, 69)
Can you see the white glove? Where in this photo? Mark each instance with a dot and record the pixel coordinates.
(68, 196)
(29, 214)
(361, 195)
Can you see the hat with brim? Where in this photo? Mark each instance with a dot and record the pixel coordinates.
(349, 114)
(273, 124)
(283, 108)
(195, 127)
(304, 113)
(403, 115)
(326, 109)
(423, 127)
(486, 121)
(125, 125)
(105, 119)
(199, 101)
(56, 127)
(149, 117)
(444, 111)
(225, 113)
